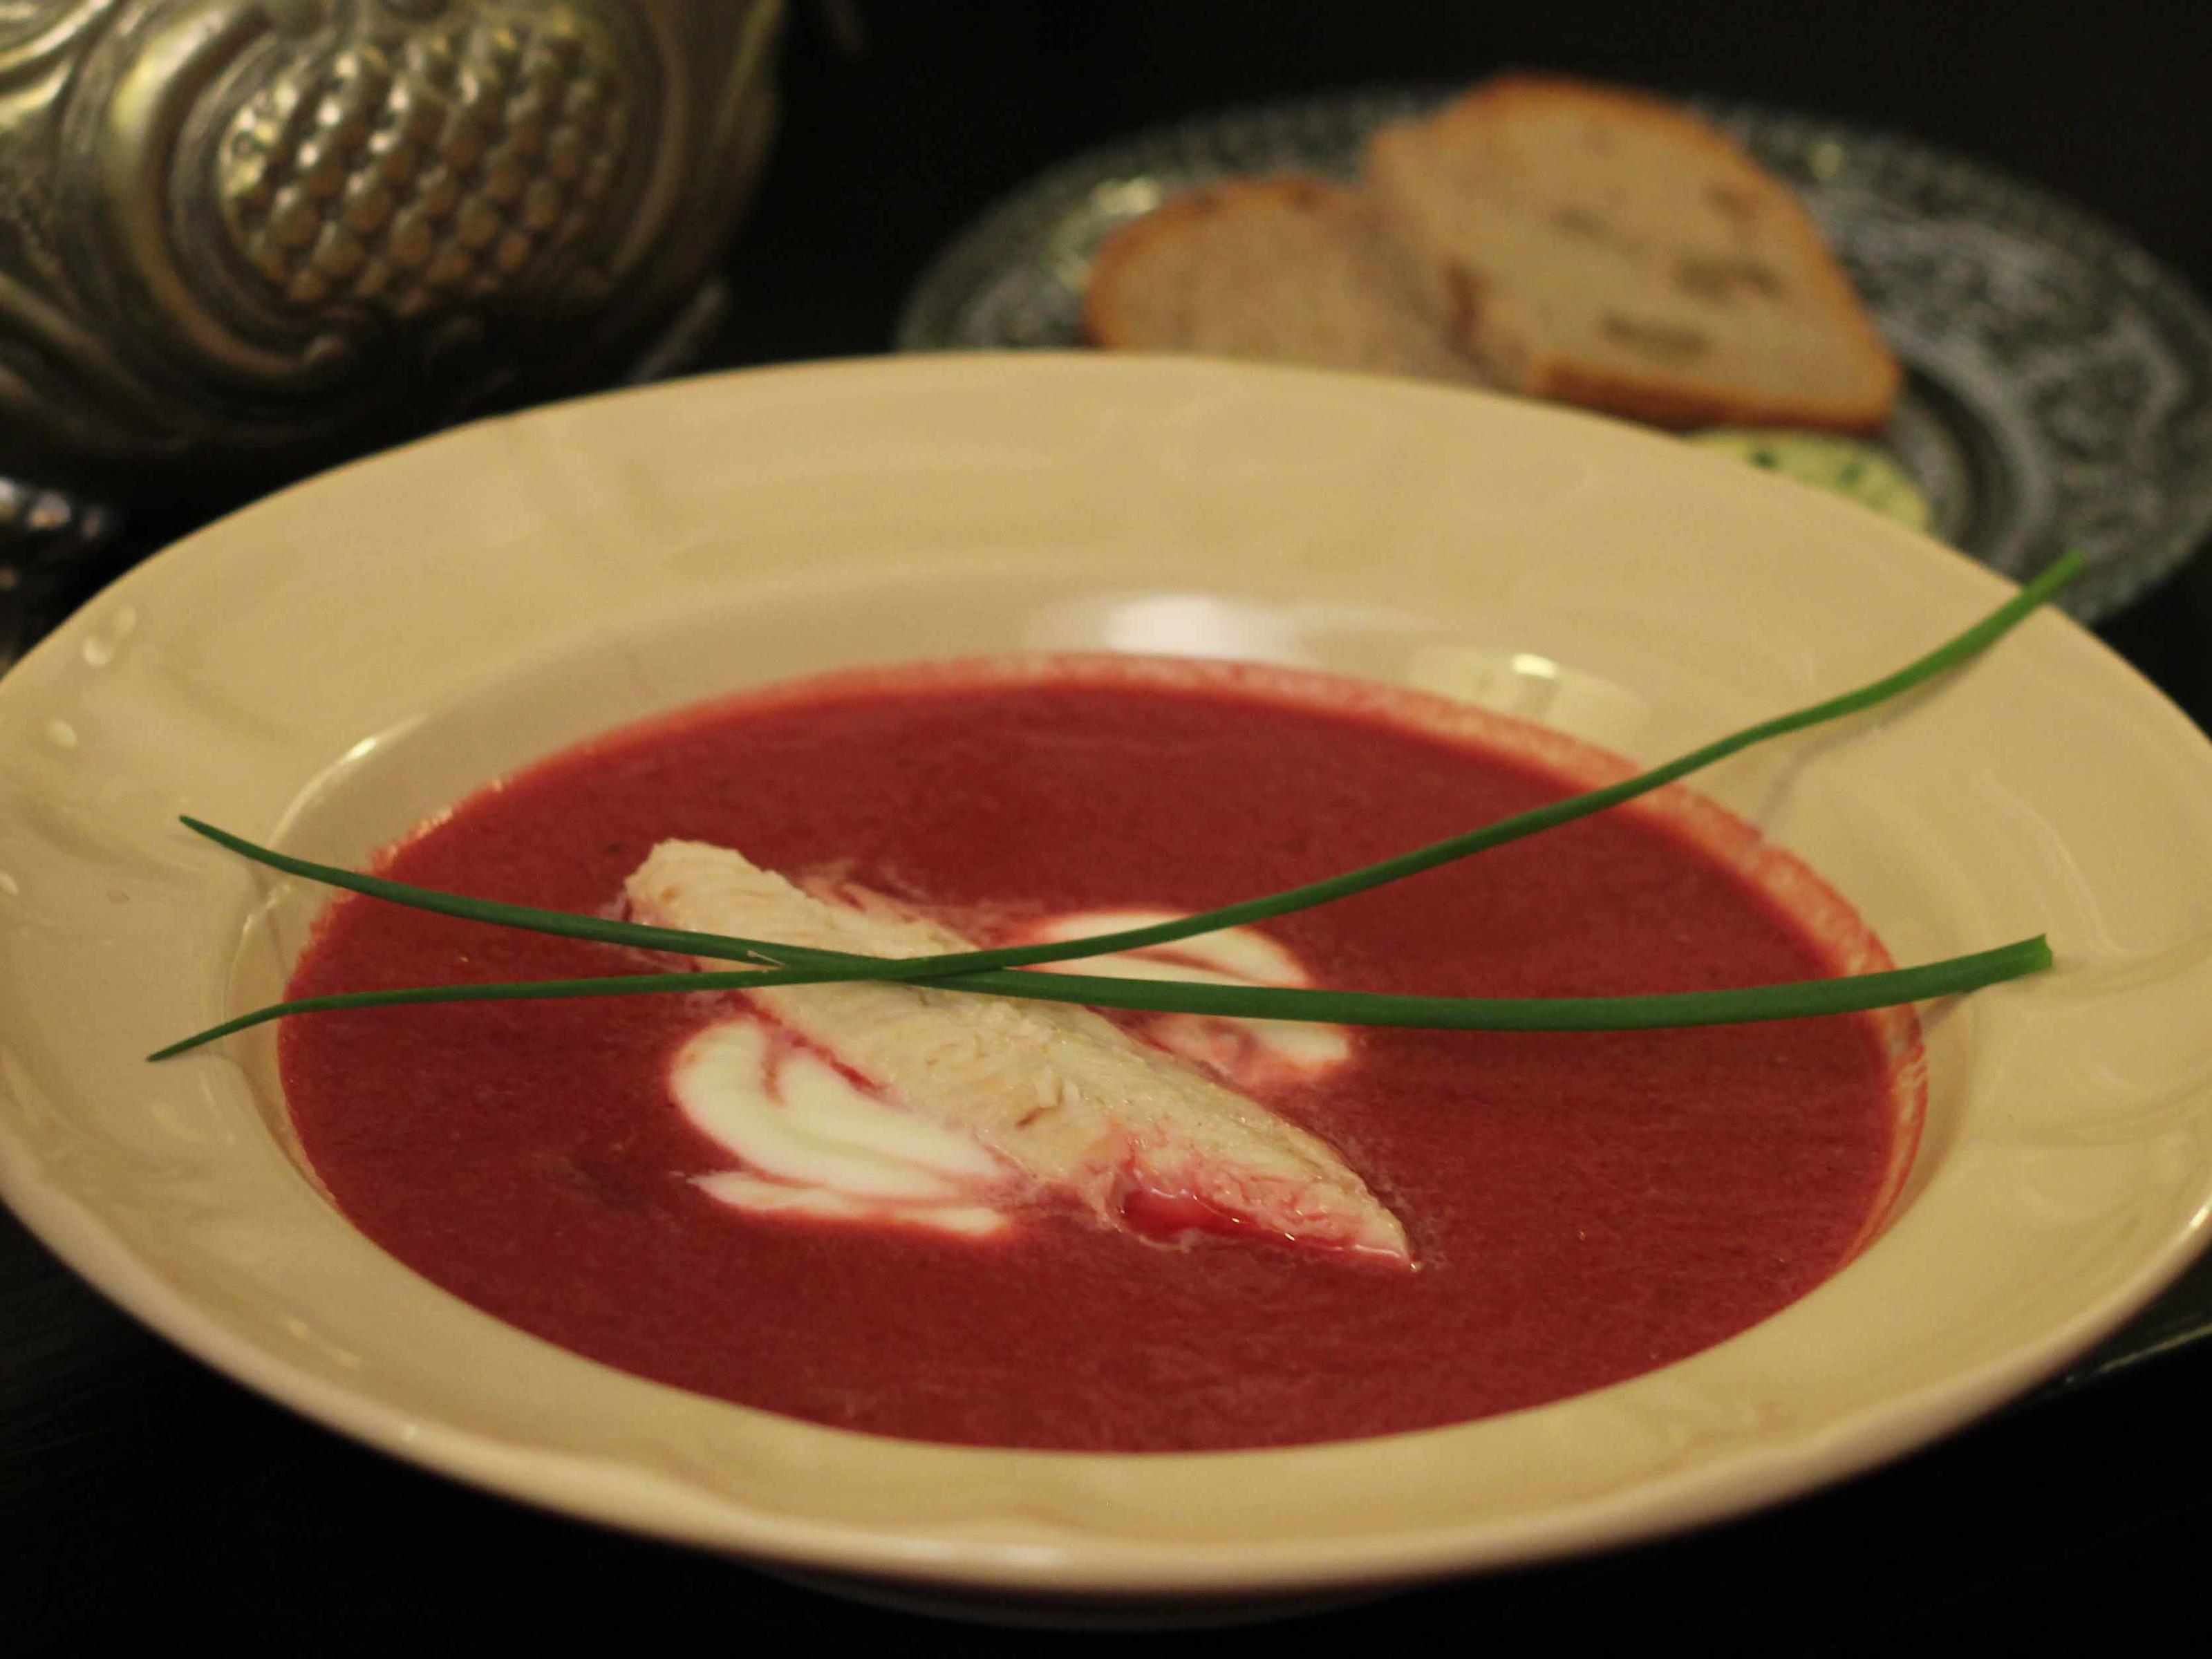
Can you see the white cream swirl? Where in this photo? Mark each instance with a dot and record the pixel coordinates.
(812, 1141)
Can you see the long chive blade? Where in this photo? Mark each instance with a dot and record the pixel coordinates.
(1954, 652)
(534, 990)
(529, 917)
(981, 971)
(1798, 999)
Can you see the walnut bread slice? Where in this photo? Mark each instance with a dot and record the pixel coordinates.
(1606, 249)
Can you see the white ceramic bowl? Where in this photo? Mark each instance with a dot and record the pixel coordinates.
(331, 665)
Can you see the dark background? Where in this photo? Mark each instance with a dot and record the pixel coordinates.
(954, 104)
(139, 1493)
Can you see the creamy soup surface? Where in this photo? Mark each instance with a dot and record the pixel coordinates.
(1578, 1208)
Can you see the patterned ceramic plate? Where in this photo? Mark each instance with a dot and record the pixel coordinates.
(2060, 390)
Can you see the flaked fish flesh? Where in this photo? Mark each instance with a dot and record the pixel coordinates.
(1143, 1140)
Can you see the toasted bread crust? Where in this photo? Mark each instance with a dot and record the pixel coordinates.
(1660, 400)
(1654, 394)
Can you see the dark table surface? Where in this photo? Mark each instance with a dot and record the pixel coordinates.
(135, 1483)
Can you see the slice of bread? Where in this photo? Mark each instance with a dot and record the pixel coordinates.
(1287, 270)
(1608, 249)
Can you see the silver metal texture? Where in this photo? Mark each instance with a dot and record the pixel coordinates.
(237, 231)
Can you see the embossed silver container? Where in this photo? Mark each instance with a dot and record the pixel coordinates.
(245, 235)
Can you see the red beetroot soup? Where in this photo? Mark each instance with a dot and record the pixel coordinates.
(1583, 1207)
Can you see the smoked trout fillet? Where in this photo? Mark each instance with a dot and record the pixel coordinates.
(1145, 1142)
